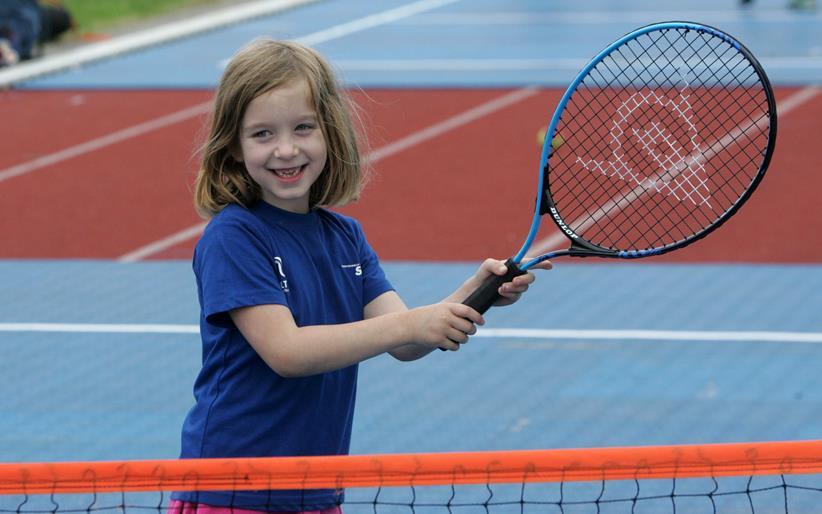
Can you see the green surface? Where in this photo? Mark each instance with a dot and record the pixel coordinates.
(97, 16)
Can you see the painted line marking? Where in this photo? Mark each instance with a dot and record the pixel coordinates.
(100, 328)
(364, 23)
(163, 244)
(652, 335)
(488, 333)
(154, 36)
(555, 240)
(104, 141)
(373, 20)
(451, 123)
(388, 150)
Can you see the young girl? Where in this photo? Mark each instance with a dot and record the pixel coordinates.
(292, 296)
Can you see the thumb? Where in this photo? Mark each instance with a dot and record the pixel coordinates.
(540, 265)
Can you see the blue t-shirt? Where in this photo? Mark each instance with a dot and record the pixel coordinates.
(320, 266)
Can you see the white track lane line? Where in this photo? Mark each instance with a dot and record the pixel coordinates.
(104, 141)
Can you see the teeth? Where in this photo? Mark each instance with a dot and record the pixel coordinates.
(287, 172)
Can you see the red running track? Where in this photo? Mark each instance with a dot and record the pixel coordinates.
(462, 195)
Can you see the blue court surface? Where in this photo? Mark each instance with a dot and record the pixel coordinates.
(99, 357)
(97, 396)
(462, 43)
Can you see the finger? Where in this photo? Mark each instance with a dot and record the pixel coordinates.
(458, 336)
(493, 267)
(449, 345)
(500, 268)
(524, 280)
(465, 326)
(511, 291)
(540, 265)
(512, 294)
(466, 312)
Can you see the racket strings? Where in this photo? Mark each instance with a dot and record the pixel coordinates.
(684, 109)
(743, 152)
(661, 139)
(617, 232)
(633, 60)
(658, 226)
(735, 182)
(653, 80)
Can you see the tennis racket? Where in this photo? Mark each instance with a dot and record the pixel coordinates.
(657, 142)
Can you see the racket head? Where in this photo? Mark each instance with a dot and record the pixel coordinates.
(659, 140)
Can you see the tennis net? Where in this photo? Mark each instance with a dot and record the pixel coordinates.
(718, 478)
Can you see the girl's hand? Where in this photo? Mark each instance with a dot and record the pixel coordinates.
(510, 291)
(442, 325)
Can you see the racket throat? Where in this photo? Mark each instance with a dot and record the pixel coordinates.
(544, 199)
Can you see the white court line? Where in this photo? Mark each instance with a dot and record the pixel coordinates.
(555, 240)
(489, 333)
(409, 141)
(104, 141)
(373, 20)
(154, 36)
(652, 335)
(100, 328)
(451, 123)
(367, 22)
(163, 244)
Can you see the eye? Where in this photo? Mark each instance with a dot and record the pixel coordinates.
(261, 133)
(305, 127)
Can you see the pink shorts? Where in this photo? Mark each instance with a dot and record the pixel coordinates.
(178, 507)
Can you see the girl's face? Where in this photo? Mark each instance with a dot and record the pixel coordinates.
(282, 145)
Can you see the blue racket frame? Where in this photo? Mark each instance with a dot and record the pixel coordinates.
(547, 150)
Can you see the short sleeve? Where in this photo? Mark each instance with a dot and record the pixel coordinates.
(375, 282)
(235, 268)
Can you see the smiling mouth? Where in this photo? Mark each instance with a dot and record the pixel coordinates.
(289, 174)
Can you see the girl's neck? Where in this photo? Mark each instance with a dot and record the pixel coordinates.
(297, 206)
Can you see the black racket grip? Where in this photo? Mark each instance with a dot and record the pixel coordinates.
(484, 297)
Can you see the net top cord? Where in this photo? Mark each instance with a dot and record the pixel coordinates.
(460, 468)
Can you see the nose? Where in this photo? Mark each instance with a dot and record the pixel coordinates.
(286, 150)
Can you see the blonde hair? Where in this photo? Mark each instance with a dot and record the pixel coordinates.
(257, 68)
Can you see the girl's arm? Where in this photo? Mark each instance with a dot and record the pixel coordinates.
(294, 351)
(387, 304)
(388, 326)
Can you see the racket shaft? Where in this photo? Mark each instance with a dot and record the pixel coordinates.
(484, 297)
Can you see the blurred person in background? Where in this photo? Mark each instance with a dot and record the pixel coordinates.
(25, 25)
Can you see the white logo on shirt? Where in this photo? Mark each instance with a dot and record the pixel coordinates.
(357, 268)
(278, 263)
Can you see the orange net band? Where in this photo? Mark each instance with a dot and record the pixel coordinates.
(563, 465)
